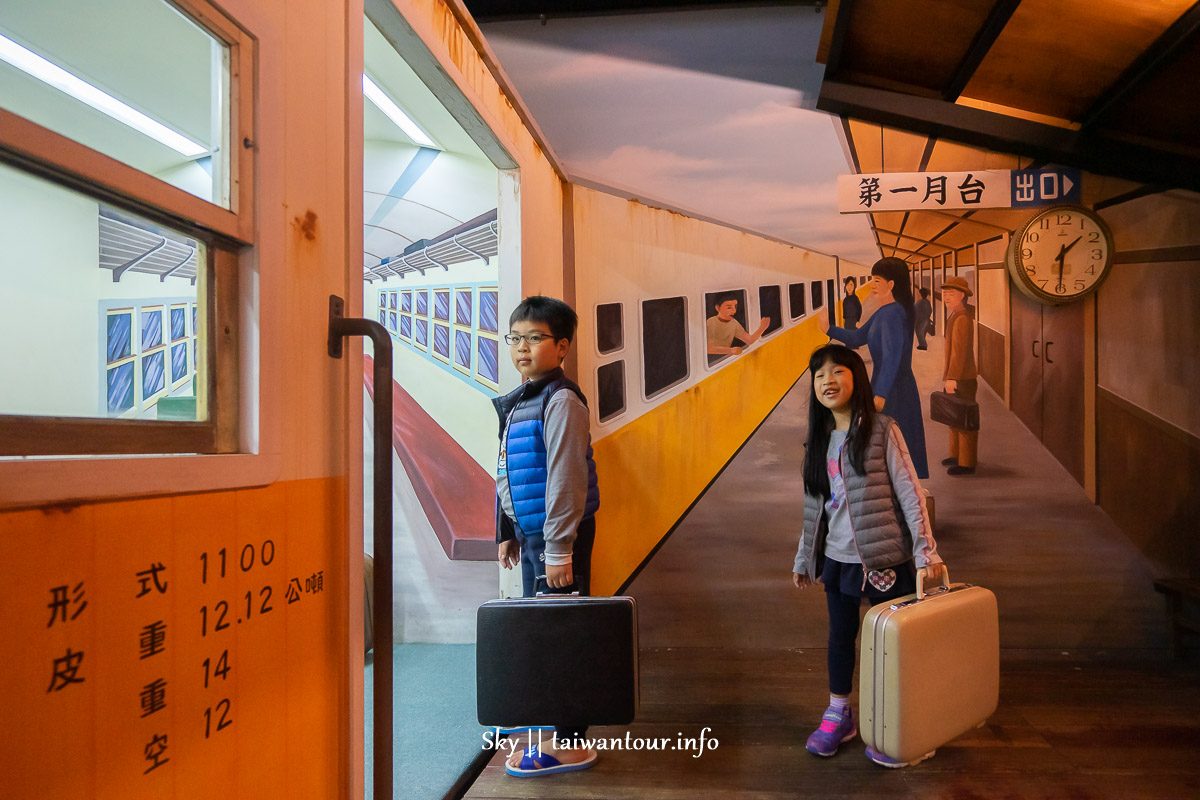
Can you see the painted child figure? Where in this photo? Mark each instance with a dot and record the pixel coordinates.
(866, 529)
(546, 490)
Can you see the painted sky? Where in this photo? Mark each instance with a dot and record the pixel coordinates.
(707, 111)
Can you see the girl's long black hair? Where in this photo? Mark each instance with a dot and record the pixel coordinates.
(820, 418)
(895, 270)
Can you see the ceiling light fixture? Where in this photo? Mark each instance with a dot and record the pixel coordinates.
(395, 114)
(31, 63)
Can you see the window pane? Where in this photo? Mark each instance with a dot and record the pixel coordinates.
(610, 334)
(664, 343)
(796, 300)
(423, 302)
(770, 306)
(392, 321)
(103, 290)
(133, 79)
(610, 380)
(441, 306)
(441, 340)
(422, 333)
(462, 349)
(488, 304)
(716, 304)
(405, 326)
(462, 307)
(488, 360)
(406, 302)
(818, 295)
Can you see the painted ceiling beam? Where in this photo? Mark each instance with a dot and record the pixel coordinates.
(1094, 152)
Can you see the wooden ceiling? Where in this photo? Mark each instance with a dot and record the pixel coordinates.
(1107, 86)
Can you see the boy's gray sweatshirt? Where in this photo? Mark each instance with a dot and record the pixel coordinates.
(566, 430)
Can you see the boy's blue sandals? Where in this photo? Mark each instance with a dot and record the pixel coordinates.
(534, 763)
(837, 726)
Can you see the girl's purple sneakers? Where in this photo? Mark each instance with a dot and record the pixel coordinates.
(837, 726)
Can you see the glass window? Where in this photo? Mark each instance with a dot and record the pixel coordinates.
(422, 299)
(818, 295)
(441, 305)
(664, 344)
(488, 303)
(487, 341)
(488, 361)
(610, 332)
(716, 304)
(441, 342)
(610, 388)
(421, 333)
(462, 307)
(796, 302)
(157, 100)
(770, 305)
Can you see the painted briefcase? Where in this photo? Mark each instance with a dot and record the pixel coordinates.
(950, 409)
(558, 660)
(929, 669)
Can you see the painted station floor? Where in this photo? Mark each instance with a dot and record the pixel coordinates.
(1090, 706)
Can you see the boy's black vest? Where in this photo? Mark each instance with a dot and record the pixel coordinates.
(524, 411)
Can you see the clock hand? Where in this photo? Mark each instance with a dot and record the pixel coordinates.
(1068, 247)
(1060, 258)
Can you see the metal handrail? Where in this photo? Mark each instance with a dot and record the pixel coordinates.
(381, 684)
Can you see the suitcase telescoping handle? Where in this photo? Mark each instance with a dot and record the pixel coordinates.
(945, 587)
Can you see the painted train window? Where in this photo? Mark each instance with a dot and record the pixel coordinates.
(770, 305)
(610, 331)
(610, 390)
(818, 295)
(724, 321)
(796, 304)
(664, 344)
(464, 328)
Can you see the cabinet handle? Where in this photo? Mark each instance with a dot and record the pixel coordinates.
(1048, 361)
(1035, 352)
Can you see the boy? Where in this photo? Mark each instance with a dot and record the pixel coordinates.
(546, 489)
(923, 314)
(722, 328)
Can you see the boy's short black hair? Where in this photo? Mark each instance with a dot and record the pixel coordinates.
(554, 313)
(923, 292)
(722, 298)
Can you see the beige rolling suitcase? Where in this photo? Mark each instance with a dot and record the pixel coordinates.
(929, 669)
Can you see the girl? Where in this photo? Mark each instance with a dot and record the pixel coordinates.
(888, 335)
(865, 523)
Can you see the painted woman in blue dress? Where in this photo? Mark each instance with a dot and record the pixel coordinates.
(888, 335)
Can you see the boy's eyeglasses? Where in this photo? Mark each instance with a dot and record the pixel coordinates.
(534, 339)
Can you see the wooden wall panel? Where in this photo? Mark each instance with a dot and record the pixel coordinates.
(991, 358)
(272, 726)
(1148, 481)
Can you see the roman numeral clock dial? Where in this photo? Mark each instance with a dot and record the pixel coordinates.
(1061, 254)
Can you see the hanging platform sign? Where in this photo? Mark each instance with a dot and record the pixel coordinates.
(922, 191)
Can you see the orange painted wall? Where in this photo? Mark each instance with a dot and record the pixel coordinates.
(287, 667)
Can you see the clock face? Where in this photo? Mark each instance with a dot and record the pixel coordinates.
(1061, 254)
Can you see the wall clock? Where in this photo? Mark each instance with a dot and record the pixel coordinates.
(1061, 254)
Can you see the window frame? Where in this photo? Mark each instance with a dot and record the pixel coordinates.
(482, 334)
(662, 391)
(230, 239)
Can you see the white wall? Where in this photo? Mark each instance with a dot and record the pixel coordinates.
(51, 288)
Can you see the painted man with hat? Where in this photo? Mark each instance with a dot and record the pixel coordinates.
(960, 375)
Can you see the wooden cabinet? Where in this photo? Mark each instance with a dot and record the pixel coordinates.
(1047, 348)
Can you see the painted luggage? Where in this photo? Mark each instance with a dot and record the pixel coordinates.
(557, 660)
(950, 409)
(929, 669)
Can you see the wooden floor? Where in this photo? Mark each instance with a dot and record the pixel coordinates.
(1090, 705)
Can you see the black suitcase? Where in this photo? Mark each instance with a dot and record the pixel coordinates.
(557, 660)
(950, 409)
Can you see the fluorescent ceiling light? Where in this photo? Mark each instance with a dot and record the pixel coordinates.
(54, 75)
(393, 112)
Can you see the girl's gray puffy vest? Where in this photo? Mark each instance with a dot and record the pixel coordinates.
(883, 537)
